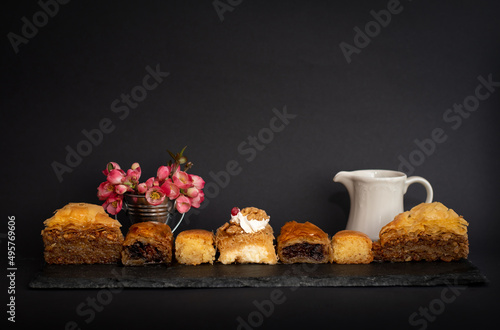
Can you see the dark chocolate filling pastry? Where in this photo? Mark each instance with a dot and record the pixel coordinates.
(304, 250)
(138, 250)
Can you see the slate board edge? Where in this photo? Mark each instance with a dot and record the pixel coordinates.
(472, 277)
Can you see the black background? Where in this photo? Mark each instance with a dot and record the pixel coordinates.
(225, 78)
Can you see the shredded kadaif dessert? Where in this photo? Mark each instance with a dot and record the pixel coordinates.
(246, 238)
(429, 231)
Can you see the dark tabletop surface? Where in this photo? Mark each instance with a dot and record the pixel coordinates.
(436, 307)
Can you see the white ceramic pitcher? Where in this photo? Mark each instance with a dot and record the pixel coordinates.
(377, 197)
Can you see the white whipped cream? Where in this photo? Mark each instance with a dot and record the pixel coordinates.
(249, 226)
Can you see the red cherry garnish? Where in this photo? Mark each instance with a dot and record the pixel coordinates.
(234, 211)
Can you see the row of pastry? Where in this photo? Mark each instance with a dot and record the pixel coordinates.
(82, 233)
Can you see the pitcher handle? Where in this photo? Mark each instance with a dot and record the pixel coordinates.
(424, 182)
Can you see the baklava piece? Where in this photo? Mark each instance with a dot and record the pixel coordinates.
(429, 231)
(303, 243)
(194, 247)
(82, 233)
(148, 242)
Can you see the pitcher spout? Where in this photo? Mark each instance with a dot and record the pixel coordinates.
(345, 178)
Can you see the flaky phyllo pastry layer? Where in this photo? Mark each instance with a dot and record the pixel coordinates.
(81, 233)
(429, 218)
(429, 231)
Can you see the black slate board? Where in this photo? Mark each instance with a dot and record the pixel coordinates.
(255, 275)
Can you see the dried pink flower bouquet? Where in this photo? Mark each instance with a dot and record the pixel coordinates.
(171, 182)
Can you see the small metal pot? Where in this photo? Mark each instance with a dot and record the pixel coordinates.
(138, 209)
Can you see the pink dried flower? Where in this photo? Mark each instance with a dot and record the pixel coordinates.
(192, 192)
(142, 188)
(170, 189)
(113, 205)
(133, 176)
(163, 173)
(110, 166)
(198, 182)
(121, 189)
(155, 195)
(104, 190)
(116, 176)
(182, 180)
(182, 204)
(196, 201)
(152, 182)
